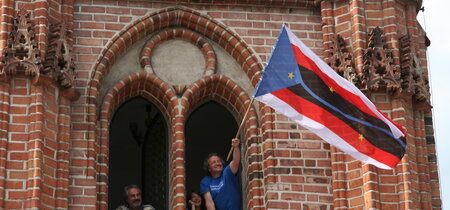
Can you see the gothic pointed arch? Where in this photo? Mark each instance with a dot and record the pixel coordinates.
(153, 23)
(142, 84)
(227, 93)
(175, 17)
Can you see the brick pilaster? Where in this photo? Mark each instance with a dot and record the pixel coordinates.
(390, 28)
(328, 25)
(19, 153)
(6, 17)
(432, 162)
(4, 121)
(358, 31)
(268, 161)
(41, 24)
(61, 190)
(36, 147)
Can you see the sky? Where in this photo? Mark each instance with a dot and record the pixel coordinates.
(435, 21)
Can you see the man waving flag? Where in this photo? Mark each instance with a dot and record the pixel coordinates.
(298, 84)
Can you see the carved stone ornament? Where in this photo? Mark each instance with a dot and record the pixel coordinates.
(413, 79)
(340, 60)
(59, 63)
(378, 70)
(21, 56)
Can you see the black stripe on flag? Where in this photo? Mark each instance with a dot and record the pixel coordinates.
(376, 137)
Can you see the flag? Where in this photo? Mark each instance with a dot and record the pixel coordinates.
(299, 85)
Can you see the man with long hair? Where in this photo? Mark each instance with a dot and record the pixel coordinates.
(220, 188)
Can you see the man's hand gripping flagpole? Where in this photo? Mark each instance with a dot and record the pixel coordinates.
(240, 126)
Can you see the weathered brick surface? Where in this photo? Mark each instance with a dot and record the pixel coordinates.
(6, 16)
(54, 151)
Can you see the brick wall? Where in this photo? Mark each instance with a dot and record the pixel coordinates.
(54, 151)
(35, 164)
(7, 13)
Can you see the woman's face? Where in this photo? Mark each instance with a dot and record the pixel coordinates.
(196, 199)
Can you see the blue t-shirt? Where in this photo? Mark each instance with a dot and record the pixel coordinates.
(224, 190)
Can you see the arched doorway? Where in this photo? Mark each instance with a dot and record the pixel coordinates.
(208, 129)
(138, 153)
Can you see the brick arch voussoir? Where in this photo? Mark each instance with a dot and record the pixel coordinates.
(229, 40)
(222, 90)
(171, 17)
(141, 84)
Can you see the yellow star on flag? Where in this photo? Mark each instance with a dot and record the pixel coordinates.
(331, 89)
(361, 137)
(290, 75)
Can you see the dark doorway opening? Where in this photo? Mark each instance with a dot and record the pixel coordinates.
(138, 153)
(209, 129)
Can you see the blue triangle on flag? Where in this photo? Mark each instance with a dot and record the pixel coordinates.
(282, 70)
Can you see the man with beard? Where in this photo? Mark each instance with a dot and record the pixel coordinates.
(133, 199)
(220, 188)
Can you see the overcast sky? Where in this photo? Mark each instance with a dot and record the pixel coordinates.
(435, 21)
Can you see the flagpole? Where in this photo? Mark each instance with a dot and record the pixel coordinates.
(240, 126)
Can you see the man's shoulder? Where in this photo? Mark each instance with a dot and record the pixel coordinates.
(206, 178)
(122, 207)
(148, 207)
(144, 207)
(227, 170)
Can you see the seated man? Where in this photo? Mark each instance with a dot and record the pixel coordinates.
(133, 199)
(221, 189)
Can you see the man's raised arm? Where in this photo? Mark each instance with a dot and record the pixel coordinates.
(234, 165)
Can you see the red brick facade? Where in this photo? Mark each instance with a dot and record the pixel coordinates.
(54, 129)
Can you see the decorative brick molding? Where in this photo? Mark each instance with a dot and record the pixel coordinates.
(340, 59)
(414, 81)
(21, 57)
(378, 64)
(59, 63)
(182, 34)
(379, 71)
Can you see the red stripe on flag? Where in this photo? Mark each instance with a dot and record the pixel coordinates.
(335, 125)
